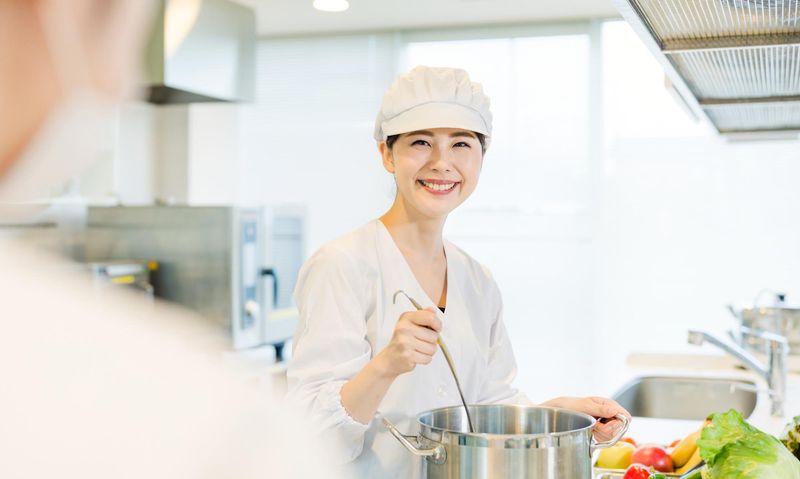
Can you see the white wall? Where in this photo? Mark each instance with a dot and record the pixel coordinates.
(126, 173)
(174, 153)
(309, 138)
(688, 221)
(135, 163)
(688, 226)
(171, 181)
(215, 168)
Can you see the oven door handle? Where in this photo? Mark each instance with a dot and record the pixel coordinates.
(271, 272)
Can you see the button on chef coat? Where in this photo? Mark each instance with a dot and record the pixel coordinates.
(344, 295)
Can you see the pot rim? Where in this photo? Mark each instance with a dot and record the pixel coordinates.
(789, 308)
(592, 422)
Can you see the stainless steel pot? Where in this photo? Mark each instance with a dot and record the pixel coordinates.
(777, 318)
(509, 441)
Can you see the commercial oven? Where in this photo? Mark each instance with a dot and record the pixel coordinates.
(235, 266)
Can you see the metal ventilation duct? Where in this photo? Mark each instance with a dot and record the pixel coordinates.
(201, 51)
(738, 60)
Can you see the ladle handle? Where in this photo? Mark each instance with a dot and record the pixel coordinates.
(450, 363)
(452, 366)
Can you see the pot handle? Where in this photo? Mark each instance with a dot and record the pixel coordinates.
(602, 445)
(436, 454)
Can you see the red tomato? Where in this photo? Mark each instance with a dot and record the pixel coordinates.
(637, 471)
(653, 455)
(630, 440)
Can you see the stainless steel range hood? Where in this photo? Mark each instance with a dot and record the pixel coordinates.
(735, 61)
(201, 51)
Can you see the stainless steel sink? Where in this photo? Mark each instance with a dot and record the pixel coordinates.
(686, 398)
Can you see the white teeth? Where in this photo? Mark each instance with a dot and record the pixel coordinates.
(438, 187)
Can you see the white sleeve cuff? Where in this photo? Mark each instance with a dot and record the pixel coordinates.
(344, 433)
(330, 398)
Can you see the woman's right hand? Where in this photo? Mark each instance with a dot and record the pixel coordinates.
(413, 342)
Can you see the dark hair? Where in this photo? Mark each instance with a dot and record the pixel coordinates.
(391, 139)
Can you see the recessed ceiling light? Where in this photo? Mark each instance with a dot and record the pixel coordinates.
(331, 5)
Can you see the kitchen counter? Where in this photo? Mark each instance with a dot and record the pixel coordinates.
(662, 431)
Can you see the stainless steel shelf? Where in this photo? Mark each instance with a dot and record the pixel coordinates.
(742, 73)
(708, 19)
(728, 43)
(740, 59)
(709, 103)
(757, 117)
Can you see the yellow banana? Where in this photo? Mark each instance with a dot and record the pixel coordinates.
(693, 461)
(685, 448)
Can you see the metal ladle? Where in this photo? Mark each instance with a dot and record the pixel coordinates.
(447, 357)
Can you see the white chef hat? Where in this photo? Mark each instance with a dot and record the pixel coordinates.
(429, 97)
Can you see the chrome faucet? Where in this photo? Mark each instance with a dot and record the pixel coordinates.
(774, 373)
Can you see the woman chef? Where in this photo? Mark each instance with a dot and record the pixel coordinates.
(356, 353)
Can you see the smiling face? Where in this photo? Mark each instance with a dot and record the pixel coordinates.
(435, 169)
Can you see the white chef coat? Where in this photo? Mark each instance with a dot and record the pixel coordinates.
(344, 294)
(97, 383)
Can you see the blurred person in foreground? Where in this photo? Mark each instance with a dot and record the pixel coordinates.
(105, 385)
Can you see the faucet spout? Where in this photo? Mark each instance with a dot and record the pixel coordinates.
(699, 337)
(774, 372)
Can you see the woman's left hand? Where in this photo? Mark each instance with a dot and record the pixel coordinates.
(598, 407)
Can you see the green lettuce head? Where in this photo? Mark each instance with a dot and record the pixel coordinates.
(733, 449)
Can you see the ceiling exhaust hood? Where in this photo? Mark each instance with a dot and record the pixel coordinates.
(201, 51)
(737, 62)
